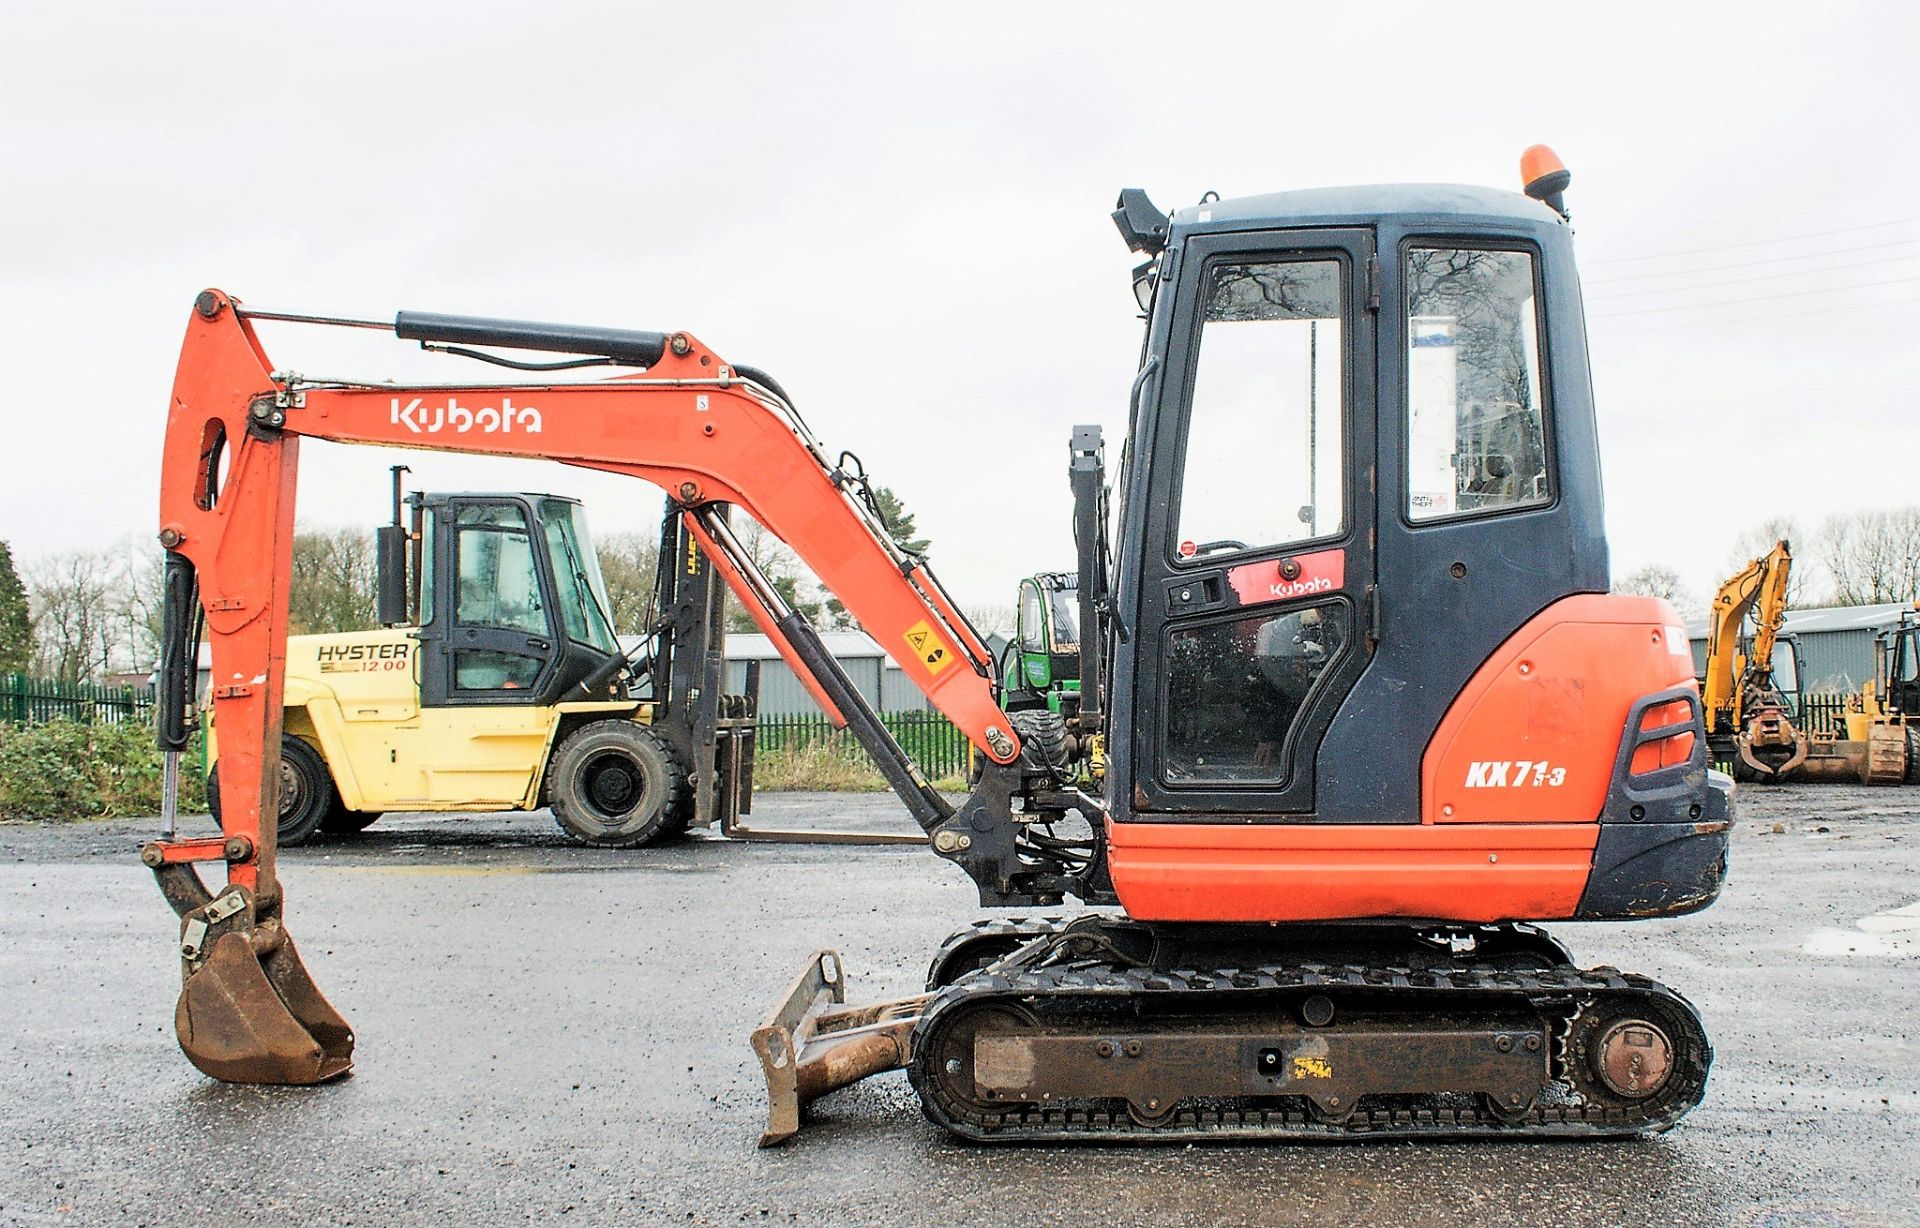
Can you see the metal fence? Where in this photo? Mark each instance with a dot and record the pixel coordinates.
(1824, 713)
(930, 738)
(32, 701)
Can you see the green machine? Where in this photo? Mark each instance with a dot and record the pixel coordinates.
(1041, 667)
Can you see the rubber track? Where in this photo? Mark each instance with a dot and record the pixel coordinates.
(1560, 995)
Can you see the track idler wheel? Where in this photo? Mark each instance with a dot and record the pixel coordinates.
(1633, 1058)
(249, 1011)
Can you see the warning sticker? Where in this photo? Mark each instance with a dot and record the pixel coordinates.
(927, 645)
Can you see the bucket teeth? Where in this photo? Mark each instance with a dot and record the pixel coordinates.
(249, 1012)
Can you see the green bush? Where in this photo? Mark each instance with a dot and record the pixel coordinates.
(64, 770)
(831, 764)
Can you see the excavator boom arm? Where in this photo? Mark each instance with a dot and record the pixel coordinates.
(693, 427)
(707, 433)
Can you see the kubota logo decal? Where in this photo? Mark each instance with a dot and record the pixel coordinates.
(1514, 774)
(424, 419)
(1286, 578)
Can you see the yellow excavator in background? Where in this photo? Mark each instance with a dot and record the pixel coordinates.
(1749, 711)
(1749, 724)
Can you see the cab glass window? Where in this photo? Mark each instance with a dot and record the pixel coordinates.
(1065, 606)
(1264, 462)
(1476, 433)
(1235, 690)
(1030, 621)
(494, 671)
(498, 585)
(425, 580)
(583, 593)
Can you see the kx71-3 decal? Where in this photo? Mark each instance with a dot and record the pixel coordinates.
(1514, 773)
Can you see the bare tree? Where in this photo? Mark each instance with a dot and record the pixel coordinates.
(71, 597)
(629, 563)
(783, 568)
(137, 607)
(332, 583)
(1802, 577)
(1659, 580)
(992, 618)
(1873, 556)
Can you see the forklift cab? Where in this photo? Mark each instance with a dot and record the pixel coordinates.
(512, 609)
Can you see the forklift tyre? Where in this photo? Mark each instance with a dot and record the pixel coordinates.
(616, 784)
(306, 792)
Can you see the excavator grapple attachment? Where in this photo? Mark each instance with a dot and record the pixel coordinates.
(249, 1012)
(812, 1044)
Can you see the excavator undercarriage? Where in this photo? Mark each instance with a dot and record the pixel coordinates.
(1101, 1029)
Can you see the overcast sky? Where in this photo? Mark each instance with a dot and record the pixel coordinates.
(901, 211)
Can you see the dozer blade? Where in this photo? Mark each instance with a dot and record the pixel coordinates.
(249, 1012)
(812, 1044)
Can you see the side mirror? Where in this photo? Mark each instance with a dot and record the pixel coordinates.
(1145, 277)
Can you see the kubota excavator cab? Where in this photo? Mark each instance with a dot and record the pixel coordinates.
(1359, 590)
(1368, 709)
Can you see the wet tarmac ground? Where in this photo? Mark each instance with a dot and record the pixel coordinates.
(550, 1034)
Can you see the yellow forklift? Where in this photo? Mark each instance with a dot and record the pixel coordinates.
(496, 682)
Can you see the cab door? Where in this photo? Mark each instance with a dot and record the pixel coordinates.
(1257, 568)
(491, 638)
(488, 646)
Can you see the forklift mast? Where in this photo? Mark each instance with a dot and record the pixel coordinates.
(712, 731)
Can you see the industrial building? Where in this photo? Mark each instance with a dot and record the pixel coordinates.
(1835, 644)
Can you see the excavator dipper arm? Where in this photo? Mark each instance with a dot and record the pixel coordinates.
(704, 431)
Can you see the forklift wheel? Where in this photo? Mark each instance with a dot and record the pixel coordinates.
(616, 785)
(306, 792)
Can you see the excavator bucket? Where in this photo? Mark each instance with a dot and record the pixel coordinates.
(245, 1018)
(249, 1012)
(813, 1044)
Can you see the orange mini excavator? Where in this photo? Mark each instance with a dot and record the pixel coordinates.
(1363, 705)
